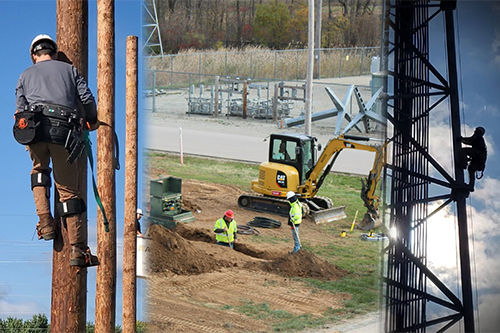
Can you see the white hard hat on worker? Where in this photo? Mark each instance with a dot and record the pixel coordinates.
(41, 42)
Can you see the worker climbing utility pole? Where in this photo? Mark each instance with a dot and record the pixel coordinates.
(69, 283)
(130, 229)
(105, 303)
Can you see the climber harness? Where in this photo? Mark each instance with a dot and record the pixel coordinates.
(51, 123)
(60, 125)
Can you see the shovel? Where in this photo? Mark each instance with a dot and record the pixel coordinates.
(230, 244)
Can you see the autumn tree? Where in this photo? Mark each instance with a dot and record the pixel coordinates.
(208, 24)
(272, 23)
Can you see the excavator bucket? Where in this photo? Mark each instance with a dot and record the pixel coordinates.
(370, 221)
(328, 215)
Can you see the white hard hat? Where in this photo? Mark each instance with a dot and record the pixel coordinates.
(290, 194)
(40, 38)
(139, 211)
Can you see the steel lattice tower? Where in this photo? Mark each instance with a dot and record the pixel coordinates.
(414, 89)
(151, 29)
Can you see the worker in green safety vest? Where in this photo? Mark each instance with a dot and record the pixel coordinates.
(295, 219)
(225, 229)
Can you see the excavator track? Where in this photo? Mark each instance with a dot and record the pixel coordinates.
(320, 209)
(259, 203)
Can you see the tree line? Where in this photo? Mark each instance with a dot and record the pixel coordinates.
(210, 24)
(40, 324)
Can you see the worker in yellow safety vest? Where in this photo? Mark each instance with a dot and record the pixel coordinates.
(295, 219)
(225, 229)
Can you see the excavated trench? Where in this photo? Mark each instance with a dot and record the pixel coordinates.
(191, 251)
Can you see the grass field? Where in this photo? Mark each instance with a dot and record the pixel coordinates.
(360, 258)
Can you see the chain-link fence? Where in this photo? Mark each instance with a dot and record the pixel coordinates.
(182, 70)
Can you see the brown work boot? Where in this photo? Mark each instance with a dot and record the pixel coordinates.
(82, 258)
(46, 227)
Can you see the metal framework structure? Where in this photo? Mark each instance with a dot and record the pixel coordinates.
(151, 29)
(414, 88)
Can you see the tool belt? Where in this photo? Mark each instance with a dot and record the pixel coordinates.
(56, 124)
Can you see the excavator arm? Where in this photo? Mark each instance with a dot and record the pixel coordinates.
(326, 162)
(372, 218)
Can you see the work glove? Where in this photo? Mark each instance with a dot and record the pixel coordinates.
(93, 126)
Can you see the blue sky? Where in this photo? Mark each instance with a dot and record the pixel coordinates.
(478, 48)
(25, 264)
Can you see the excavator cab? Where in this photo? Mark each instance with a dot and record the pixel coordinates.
(296, 150)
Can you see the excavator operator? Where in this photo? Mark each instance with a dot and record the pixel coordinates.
(53, 103)
(476, 155)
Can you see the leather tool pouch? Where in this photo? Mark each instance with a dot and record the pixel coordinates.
(27, 126)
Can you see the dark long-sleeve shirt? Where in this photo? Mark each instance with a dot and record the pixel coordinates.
(55, 82)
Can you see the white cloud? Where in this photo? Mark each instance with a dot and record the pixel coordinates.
(489, 320)
(24, 310)
(495, 45)
(484, 231)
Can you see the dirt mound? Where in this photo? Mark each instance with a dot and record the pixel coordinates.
(304, 264)
(170, 252)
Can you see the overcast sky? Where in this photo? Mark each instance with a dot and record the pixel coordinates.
(478, 49)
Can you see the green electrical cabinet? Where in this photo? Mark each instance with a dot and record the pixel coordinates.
(166, 203)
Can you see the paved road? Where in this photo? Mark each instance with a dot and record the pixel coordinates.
(368, 323)
(241, 147)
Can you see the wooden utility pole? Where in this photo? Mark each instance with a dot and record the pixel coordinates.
(310, 68)
(105, 303)
(69, 284)
(130, 230)
(317, 40)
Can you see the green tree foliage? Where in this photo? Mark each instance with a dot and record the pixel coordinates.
(141, 327)
(38, 324)
(272, 23)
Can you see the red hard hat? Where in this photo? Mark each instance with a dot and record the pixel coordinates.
(229, 214)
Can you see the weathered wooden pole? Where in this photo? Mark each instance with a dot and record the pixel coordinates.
(129, 234)
(317, 38)
(310, 68)
(105, 303)
(69, 284)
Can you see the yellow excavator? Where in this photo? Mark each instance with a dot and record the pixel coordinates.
(293, 166)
